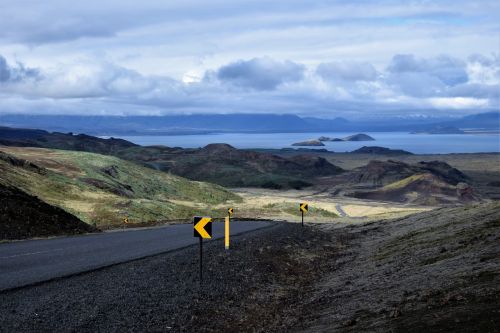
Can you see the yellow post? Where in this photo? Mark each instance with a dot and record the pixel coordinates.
(226, 239)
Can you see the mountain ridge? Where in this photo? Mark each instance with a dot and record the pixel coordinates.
(241, 123)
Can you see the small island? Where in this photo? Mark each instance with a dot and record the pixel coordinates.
(309, 143)
(359, 137)
(325, 138)
(374, 150)
(355, 137)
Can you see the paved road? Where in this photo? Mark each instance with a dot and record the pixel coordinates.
(27, 262)
(340, 210)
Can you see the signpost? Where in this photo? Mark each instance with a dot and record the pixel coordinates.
(202, 228)
(226, 229)
(303, 207)
(227, 221)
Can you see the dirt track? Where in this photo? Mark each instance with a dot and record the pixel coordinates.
(435, 271)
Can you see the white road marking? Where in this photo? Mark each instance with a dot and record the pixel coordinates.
(30, 253)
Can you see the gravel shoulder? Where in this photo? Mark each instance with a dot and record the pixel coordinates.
(250, 286)
(434, 271)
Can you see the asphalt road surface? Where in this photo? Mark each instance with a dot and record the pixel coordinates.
(340, 210)
(27, 262)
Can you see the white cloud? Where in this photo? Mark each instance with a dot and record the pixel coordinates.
(256, 85)
(457, 102)
(285, 56)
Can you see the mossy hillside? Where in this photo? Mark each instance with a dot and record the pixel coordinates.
(103, 189)
(147, 183)
(403, 182)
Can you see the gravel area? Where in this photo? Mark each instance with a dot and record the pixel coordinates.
(253, 286)
(437, 271)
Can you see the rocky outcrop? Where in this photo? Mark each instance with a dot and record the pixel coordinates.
(21, 163)
(26, 216)
(424, 183)
(380, 173)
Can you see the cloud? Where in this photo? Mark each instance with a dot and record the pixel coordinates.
(80, 80)
(16, 73)
(417, 84)
(449, 70)
(260, 73)
(407, 86)
(457, 102)
(349, 71)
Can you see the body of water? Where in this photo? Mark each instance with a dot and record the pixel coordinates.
(415, 143)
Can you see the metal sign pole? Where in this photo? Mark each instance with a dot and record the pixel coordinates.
(201, 260)
(202, 228)
(302, 219)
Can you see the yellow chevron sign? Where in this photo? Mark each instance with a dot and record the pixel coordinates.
(230, 211)
(303, 207)
(202, 227)
(125, 219)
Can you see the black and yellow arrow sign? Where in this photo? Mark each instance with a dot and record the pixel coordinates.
(303, 207)
(230, 211)
(125, 219)
(202, 227)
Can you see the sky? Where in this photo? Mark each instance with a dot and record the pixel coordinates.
(352, 59)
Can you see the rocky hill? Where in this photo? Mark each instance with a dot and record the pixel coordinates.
(26, 216)
(378, 173)
(227, 166)
(423, 183)
(105, 189)
(217, 163)
(422, 189)
(80, 142)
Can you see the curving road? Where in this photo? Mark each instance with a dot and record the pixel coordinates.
(27, 262)
(339, 209)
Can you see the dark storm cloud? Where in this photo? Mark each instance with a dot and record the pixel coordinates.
(260, 73)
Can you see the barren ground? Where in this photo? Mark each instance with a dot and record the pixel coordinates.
(278, 204)
(435, 271)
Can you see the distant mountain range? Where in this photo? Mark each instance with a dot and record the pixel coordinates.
(246, 123)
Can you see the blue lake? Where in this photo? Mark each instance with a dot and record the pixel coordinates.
(415, 143)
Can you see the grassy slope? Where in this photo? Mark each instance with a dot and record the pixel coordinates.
(77, 182)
